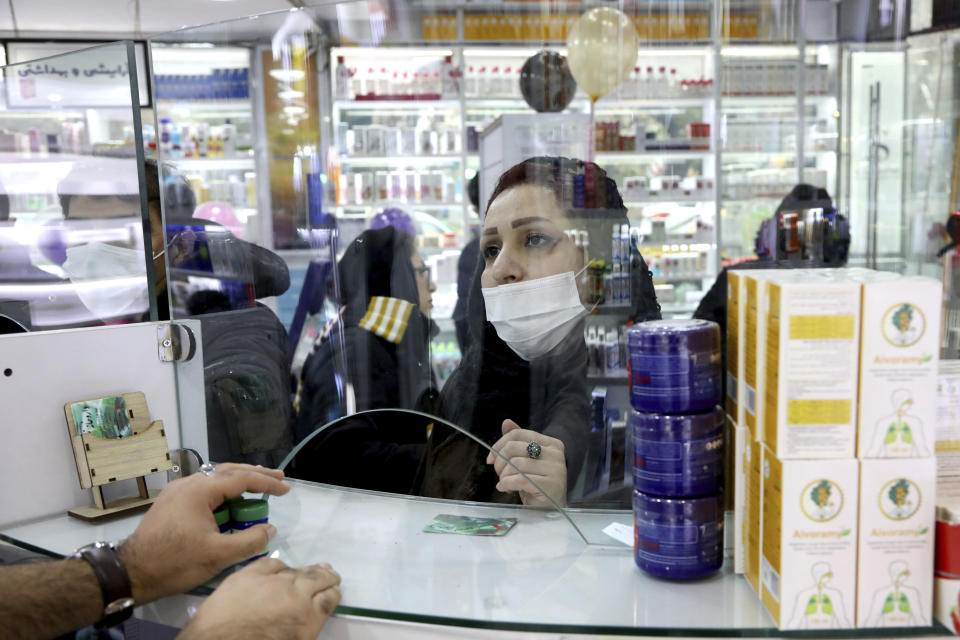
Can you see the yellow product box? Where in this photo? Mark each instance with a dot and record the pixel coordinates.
(736, 312)
(812, 349)
(808, 572)
(752, 510)
(897, 524)
(736, 485)
(899, 361)
(752, 336)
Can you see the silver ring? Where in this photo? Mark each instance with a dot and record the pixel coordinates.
(533, 450)
(208, 469)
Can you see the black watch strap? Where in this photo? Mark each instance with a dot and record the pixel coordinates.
(114, 582)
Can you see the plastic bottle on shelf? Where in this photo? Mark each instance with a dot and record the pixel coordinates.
(451, 78)
(483, 82)
(356, 83)
(662, 83)
(506, 82)
(649, 85)
(470, 82)
(166, 132)
(370, 82)
(436, 84)
(343, 79)
(612, 352)
(383, 82)
(229, 134)
(494, 82)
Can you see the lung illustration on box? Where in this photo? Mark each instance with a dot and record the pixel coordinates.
(896, 604)
(901, 432)
(819, 606)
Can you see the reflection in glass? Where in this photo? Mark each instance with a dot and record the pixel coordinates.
(71, 226)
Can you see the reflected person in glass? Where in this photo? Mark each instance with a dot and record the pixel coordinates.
(375, 355)
(522, 385)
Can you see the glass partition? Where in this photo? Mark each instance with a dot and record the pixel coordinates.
(413, 232)
(75, 248)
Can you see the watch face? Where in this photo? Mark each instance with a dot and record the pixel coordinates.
(117, 606)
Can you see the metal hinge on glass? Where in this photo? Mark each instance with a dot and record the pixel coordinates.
(175, 342)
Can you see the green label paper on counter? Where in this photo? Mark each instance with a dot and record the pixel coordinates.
(470, 526)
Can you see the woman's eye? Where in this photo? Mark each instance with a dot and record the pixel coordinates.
(490, 252)
(539, 240)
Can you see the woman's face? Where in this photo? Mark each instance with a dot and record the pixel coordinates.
(523, 238)
(425, 286)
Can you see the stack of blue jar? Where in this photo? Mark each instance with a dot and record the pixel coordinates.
(675, 387)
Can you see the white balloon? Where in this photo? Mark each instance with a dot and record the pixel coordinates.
(602, 50)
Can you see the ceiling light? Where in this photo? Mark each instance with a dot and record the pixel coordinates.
(290, 94)
(294, 110)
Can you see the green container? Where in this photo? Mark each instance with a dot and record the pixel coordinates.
(222, 516)
(248, 512)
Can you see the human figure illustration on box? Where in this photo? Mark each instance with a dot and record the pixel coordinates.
(819, 606)
(899, 434)
(896, 604)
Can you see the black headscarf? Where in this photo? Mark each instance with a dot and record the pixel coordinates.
(493, 383)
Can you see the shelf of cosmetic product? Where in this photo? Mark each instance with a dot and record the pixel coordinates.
(669, 198)
(698, 276)
(745, 153)
(651, 154)
(239, 107)
(604, 104)
(382, 204)
(213, 164)
(393, 161)
(775, 98)
(414, 103)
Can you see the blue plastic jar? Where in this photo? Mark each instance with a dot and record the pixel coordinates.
(679, 538)
(675, 366)
(678, 456)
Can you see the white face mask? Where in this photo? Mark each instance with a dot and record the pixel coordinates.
(110, 281)
(534, 316)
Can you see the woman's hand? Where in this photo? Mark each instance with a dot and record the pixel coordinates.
(549, 470)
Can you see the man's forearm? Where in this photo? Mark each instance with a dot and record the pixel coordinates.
(48, 599)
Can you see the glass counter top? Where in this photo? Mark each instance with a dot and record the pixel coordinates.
(541, 576)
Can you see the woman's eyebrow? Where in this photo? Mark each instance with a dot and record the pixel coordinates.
(490, 231)
(519, 222)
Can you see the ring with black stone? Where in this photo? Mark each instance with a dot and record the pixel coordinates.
(534, 450)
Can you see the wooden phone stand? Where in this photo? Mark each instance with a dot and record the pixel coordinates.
(101, 461)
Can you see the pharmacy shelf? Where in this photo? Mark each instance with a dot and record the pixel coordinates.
(672, 200)
(221, 108)
(213, 164)
(773, 154)
(393, 161)
(415, 106)
(629, 156)
(774, 100)
(622, 104)
(414, 206)
(693, 277)
(424, 206)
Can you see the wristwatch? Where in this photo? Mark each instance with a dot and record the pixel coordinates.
(114, 582)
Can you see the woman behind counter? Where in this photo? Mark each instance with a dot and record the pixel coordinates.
(521, 387)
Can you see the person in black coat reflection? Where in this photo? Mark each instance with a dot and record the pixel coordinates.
(376, 356)
(523, 379)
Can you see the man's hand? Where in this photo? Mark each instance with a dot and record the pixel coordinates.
(270, 601)
(178, 545)
(549, 471)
